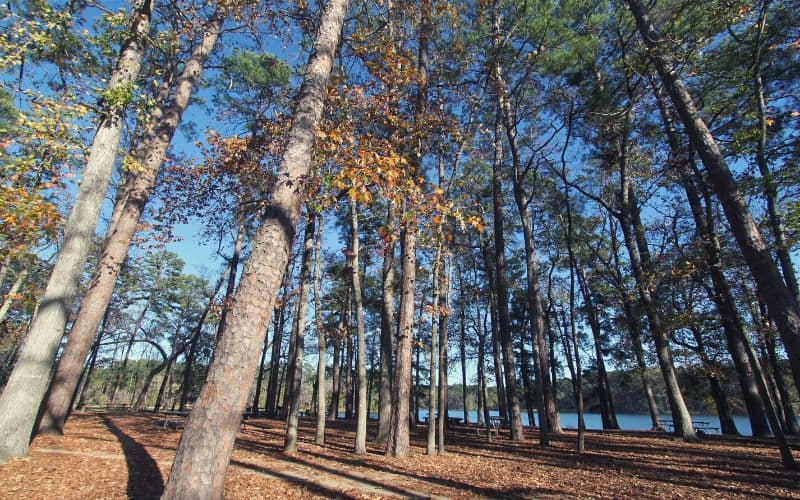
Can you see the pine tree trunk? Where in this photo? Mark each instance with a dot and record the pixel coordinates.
(387, 335)
(434, 354)
(293, 390)
(360, 447)
(398, 442)
(444, 314)
(260, 378)
(333, 409)
(271, 403)
(774, 218)
(462, 350)
(321, 344)
(115, 248)
(198, 470)
(27, 386)
(501, 290)
(783, 309)
(721, 294)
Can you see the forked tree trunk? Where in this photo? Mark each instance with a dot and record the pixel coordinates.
(783, 309)
(293, 390)
(27, 385)
(115, 248)
(203, 454)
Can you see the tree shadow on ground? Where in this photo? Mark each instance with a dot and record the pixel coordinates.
(144, 477)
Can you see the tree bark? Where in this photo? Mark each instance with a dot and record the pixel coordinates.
(118, 240)
(198, 470)
(28, 382)
(444, 314)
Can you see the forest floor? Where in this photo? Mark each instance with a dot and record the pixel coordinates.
(114, 455)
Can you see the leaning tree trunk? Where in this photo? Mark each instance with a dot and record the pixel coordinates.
(118, 240)
(644, 275)
(198, 470)
(27, 386)
(721, 294)
(774, 218)
(783, 309)
(292, 400)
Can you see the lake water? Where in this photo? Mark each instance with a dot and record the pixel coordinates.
(628, 422)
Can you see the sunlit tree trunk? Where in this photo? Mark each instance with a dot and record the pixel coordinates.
(198, 470)
(321, 344)
(27, 385)
(150, 157)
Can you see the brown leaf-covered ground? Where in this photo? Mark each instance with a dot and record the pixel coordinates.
(107, 455)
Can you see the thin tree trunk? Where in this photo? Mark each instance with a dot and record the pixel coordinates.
(434, 356)
(12, 292)
(321, 344)
(293, 391)
(273, 389)
(233, 264)
(333, 410)
(462, 350)
(790, 417)
(387, 334)
(634, 332)
(501, 290)
(444, 314)
(774, 218)
(118, 240)
(27, 385)
(260, 379)
(360, 446)
(203, 454)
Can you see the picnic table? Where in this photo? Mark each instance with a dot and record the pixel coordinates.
(497, 423)
(700, 426)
